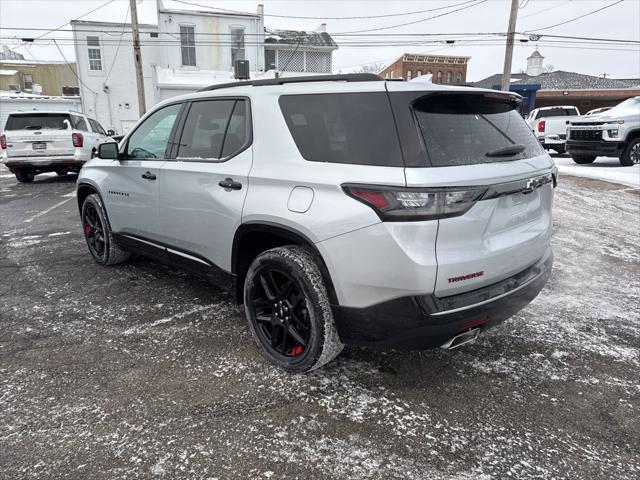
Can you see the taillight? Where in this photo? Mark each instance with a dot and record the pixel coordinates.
(78, 139)
(3, 141)
(541, 126)
(413, 204)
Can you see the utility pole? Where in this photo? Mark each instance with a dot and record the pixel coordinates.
(137, 57)
(508, 54)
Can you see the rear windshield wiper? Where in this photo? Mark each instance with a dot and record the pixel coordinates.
(33, 127)
(506, 151)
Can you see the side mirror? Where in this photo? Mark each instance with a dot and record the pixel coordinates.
(108, 151)
(111, 133)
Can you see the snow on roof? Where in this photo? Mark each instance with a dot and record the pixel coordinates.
(8, 73)
(295, 37)
(10, 95)
(559, 80)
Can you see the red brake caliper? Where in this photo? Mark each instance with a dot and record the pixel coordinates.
(87, 229)
(297, 350)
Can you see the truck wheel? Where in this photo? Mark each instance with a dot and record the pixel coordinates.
(288, 309)
(559, 150)
(583, 159)
(24, 176)
(97, 233)
(631, 154)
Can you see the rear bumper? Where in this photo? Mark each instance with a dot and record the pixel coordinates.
(598, 148)
(423, 322)
(44, 162)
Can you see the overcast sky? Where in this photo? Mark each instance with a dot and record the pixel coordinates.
(622, 21)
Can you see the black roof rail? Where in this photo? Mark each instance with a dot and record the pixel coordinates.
(345, 77)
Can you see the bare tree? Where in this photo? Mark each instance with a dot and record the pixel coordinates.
(371, 68)
(548, 68)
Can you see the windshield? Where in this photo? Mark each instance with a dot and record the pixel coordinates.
(471, 129)
(37, 121)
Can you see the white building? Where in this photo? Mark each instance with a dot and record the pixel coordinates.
(186, 51)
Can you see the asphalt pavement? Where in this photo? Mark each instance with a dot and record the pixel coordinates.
(142, 371)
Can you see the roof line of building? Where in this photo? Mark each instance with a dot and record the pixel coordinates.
(214, 14)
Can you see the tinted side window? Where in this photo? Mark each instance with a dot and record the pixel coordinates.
(204, 129)
(37, 121)
(354, 128)
(95, 126)
(79, 123)
(150, 138)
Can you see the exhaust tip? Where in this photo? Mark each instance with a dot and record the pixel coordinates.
(465, 338)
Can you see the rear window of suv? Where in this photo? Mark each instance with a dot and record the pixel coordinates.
(37, 121)
(353, 128)
(557, 112)
(470, 129)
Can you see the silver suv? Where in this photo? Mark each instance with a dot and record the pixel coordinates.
(338, 209)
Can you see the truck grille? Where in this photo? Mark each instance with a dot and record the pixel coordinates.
(592, 135)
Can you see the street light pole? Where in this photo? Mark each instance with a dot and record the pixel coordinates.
(508, 54)
(137, 57)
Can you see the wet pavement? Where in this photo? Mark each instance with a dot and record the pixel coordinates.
(142, 371)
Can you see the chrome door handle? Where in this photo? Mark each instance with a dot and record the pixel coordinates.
(148, 176)
(230, 184)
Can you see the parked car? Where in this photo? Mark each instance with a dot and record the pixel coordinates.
(614, 133)
(550, 125)
(338, 209)
(41, 141)
(597, 111)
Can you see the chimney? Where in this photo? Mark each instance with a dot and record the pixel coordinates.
(534, 64)
(322, 28)
(261, 10)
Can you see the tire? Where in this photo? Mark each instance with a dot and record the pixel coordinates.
(24, 176)
(559, 150)
(97, 233)
(631, 154)
(288, 309)
(583, 159)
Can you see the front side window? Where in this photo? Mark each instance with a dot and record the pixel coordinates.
(95, 55)
(188, 45)
(469, 129)
(96, 127)
(150, 138)
(79, 123)
(237, 45)
(353, 128)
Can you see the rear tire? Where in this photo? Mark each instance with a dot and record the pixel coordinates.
(288, 309)
(631, 154)
(24, 176)
(583, 159)
(97, 233)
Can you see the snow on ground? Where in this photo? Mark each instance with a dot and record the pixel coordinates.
(604, 168)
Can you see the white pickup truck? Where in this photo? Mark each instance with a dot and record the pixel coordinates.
(549, 124)
(614, 133)
(39, 141)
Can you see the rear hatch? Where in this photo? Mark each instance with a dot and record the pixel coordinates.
(39, 135)
(478, 144)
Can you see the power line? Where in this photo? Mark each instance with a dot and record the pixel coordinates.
(576, 18)
(72, 70)
(81, 16)
(115, 55)
(414, 22)
(402, 14)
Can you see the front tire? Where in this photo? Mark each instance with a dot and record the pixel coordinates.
(583, 159)
(97, 233)
(24, 176)
(631, 154)
(288, 309)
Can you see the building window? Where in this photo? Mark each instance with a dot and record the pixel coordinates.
(27, 80)
(439, 77)
(95, 55)
(188, 45)
(419, 74)
(448, 77)
(408, 75)
(458, 77)
(269, 60)
(237, 45)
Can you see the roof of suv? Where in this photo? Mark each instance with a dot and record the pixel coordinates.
(321, 84)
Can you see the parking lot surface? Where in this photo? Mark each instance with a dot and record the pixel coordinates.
(142, 371)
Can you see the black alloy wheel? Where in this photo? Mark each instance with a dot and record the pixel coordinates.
(279, 309)
(94, 232)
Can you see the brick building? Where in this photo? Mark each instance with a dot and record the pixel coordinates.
(443, 68)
